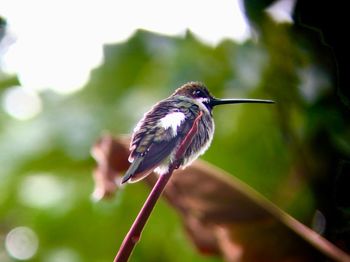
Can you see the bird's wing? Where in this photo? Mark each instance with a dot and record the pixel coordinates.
(143, 165)
(152, 144)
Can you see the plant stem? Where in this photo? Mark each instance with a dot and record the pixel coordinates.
(135, 231)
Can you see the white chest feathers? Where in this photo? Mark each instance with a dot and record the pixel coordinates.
(173, 121)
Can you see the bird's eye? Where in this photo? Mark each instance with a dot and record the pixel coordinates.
(198, 93)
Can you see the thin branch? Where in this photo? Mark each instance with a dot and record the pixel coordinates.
(135, 231)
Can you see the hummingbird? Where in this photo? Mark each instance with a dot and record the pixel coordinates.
(159, 134)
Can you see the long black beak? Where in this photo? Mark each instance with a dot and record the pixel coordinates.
(214, 101)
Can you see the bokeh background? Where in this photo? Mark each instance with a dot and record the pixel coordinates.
(296, 153)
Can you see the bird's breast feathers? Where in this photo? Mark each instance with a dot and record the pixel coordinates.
(168, 120)
(172, 120)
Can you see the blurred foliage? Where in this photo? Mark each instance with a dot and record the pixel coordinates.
(296, 153)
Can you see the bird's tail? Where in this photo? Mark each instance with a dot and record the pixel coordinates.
(133, 174)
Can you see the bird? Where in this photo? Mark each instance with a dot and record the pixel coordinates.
(185, 120)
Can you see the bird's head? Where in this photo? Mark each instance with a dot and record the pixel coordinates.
(200, 93)
(196, 91)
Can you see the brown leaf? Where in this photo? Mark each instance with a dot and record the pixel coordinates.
(111, 157)
(221, 215)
